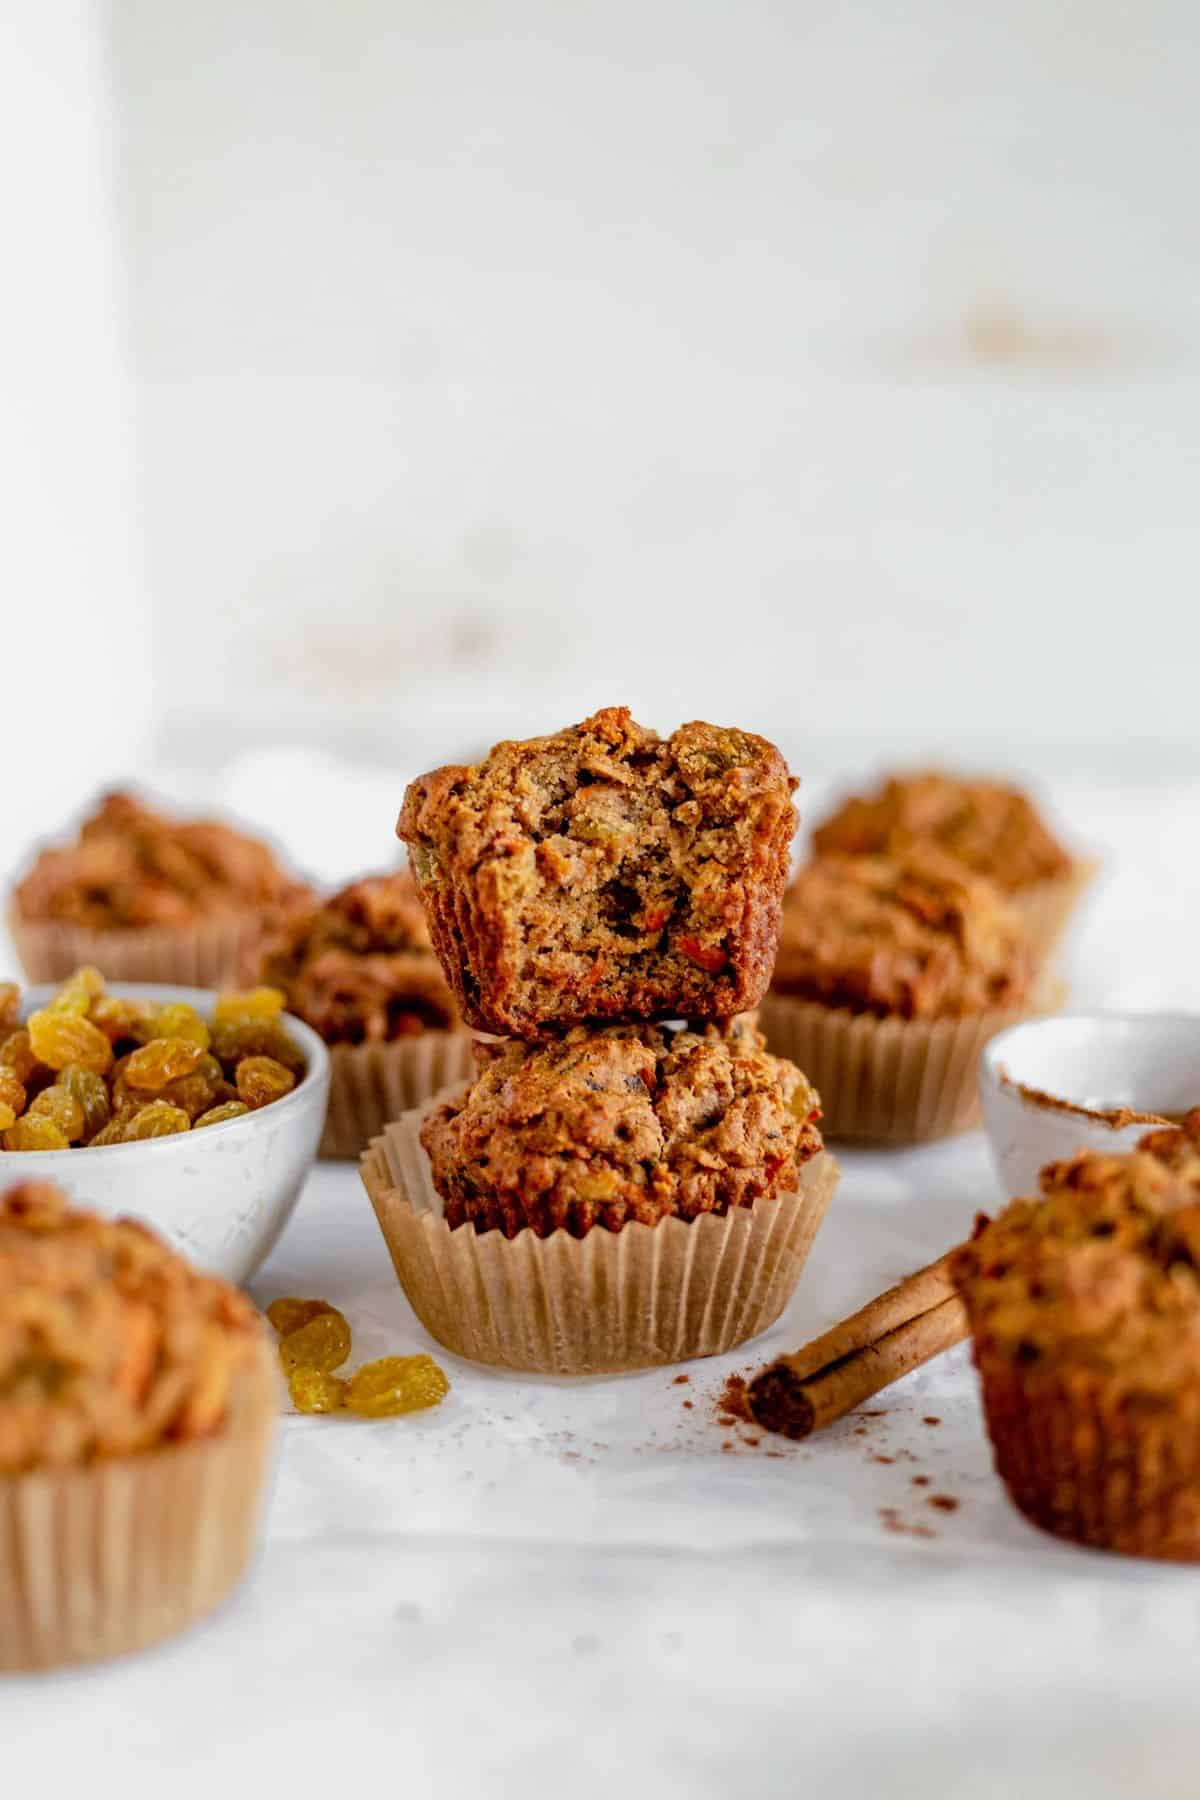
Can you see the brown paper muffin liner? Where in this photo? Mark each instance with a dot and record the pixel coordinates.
(372, 1084)
(1080, 1461)
(600, 1304)
(113, 1557)
(1046, 908)
(204, 956)
(890, 1080)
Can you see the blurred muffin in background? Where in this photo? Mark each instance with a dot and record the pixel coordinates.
(992, 829)
(359, 968)
(145, 897)
(892, 974)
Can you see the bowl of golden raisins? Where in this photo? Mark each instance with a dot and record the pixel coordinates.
(198, 1112)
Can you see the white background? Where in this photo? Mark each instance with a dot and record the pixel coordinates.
(378, 375)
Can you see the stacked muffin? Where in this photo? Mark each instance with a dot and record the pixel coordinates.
(630, 1178)
(917, 931)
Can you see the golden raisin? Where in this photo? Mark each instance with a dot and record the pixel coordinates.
(256, 1038)
(12, 1090)
(396, 1384)
(7, 1116)
(119, 1019)
(324, 1343)
(160, 1061)
(91, 1091)
(288, 1314)
(16, 1053)
(157, 1119)
(59, 1038)
(260, 1079)
(33, 1132)
(248, 1005)
(78, 992)
(57, 1104)
(10, 1006)
(217, 1115)
(115, 1132)
(179, 1020)
(316, 1390)
(203, 1089)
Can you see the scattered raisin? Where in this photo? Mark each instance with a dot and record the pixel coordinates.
(316, 1390)
(59, 1038)
(260, 1079)
(288, 1314)
(324, 1343)
(396, 1384)
(157, 1119)
(217, 1115)
(34, 1132)
(160, 1061)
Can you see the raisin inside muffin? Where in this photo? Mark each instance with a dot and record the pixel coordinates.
(619, 1123)
(360, 967)
(606, 873)
(132, 867)
(109, 1342)
(911, 938)
(992, 829)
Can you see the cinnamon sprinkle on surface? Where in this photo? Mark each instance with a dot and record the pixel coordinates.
(931, 1419)
(944, 1502)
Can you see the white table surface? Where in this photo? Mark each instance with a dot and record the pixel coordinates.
(555, 1586)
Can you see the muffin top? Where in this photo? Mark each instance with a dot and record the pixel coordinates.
(910, 938)
(1103, 1271)
(131, 867)
(626, 1122)
(993, 830)
(604, 872)
(109, 1342)
(359, 967)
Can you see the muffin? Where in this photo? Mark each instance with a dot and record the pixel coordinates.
(1085, 1311)
(360, 969)
(605, 873)
(146, 898)
(136, 1406)
(993, 830)
(892, 974)
(614, 1198)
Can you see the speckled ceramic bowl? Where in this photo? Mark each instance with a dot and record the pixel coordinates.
(221, 1196)
(1081, 1081)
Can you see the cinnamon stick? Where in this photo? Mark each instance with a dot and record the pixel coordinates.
(917, 1293)
(783, 1401)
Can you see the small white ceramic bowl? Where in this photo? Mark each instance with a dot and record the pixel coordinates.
(221, 1196)
(1114, 1076)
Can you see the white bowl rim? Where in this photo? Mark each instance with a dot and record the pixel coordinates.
(1027, 1027)
(315, 1049)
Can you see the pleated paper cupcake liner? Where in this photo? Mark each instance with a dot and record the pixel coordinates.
(372, 1084)
(1080, 1462)
(601, 1304)
(204, 956)
(1047, 907)
(113, 1557)
(890, 1080)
